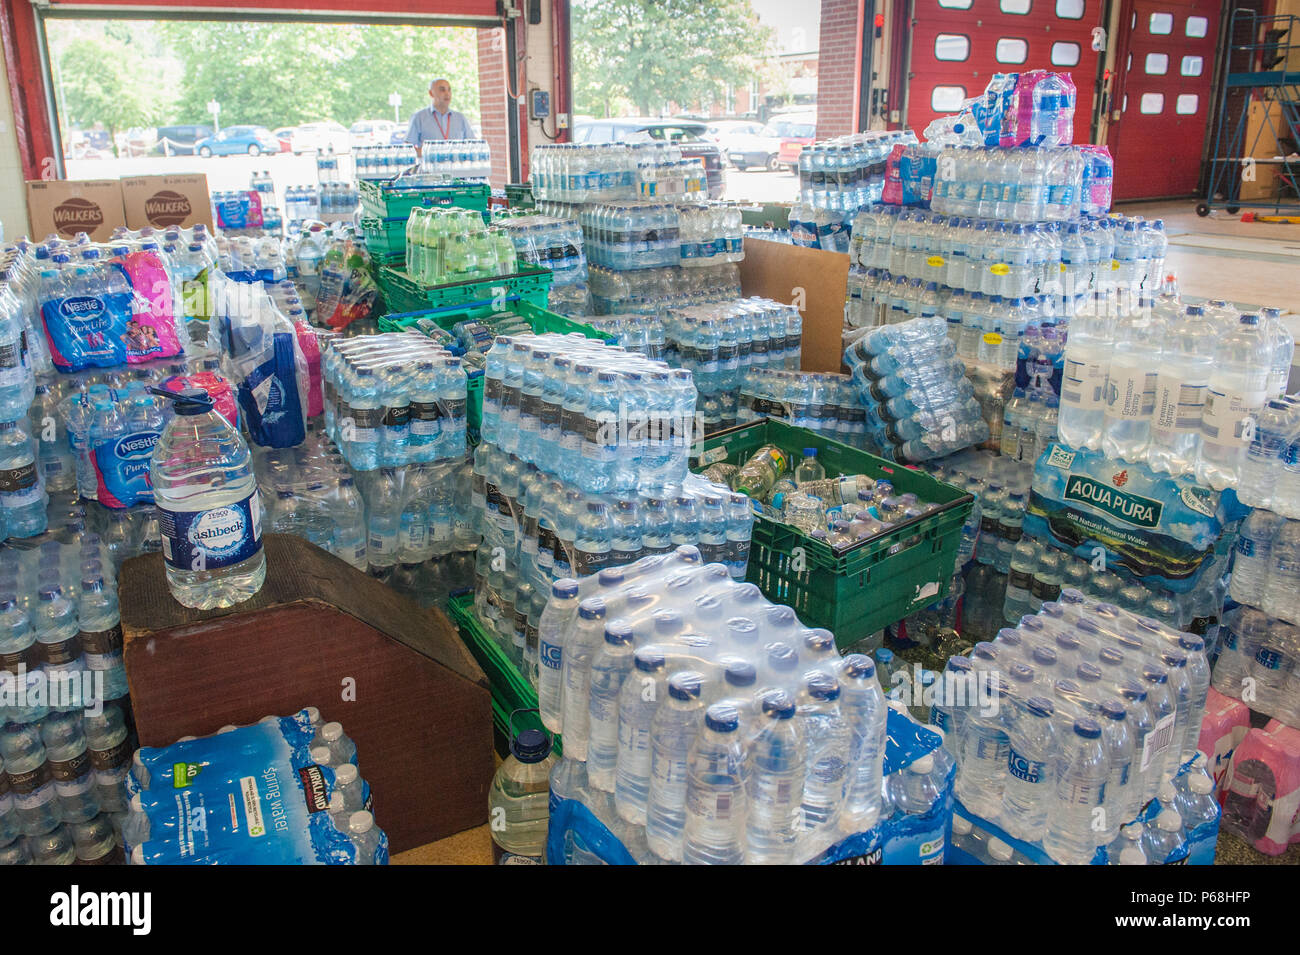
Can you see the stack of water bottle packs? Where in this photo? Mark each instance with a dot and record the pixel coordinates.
(450, 159)
(643, 334)
(654, 291)
(1066, 727)
(719, 343)
(837, 177)
(63, 703)
(704, 725)
(383, 162)
(821, 402)
(1179, 389)
(920, 404)
(1259, 654)
(555, 244)
(577, 173)
(282, 791)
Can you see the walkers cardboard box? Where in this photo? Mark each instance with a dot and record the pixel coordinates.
(66, 207)
(164, 201)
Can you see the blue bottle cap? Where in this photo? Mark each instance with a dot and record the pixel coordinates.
(778, 705)
(722, 718)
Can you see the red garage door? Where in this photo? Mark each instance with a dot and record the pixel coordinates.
(958, 44)
(1160, 108)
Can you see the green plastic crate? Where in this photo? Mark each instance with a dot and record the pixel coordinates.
(385, 240)
(402, 293)
(390, 200)
(510, 690)
(539, 320)
(520, 195)
(854, 592)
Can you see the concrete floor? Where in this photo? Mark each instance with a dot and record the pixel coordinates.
(1247, 263)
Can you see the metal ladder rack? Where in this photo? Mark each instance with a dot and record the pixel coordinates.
(1268, 51)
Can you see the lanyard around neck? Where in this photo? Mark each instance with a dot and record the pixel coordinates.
(445, 132)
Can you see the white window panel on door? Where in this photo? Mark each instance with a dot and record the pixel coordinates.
(1186, 104)
(947, 99)
(1197, 27)
(1151, 103)
(1011, 50)
(1065, 54)
(1192, 66)
(952, 47)
(1016, 7)
(1157, 64)
(956, 4)
(1161, 24)
(1070, 9)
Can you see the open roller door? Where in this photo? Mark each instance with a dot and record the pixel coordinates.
(22, 29)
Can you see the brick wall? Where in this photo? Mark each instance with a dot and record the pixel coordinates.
(837, 73)
(492, 100)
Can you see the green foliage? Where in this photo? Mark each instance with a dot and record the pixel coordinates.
(95, 82)
(653, 53)
(268, 74)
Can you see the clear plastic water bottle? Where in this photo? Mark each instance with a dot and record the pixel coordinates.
(777, 756)
(1185, 363)
(559, 610)
(1236, 392)
(609, 668)
(1165, 839)
(1284, 574)
(1080, 789)
(716, 799)
(1031, 770)
(212, 539)
(69, 762)
(672, 733)
(1252, 557)
(639, 701)
(518, 802)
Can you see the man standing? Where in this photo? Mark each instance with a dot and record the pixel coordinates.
(439, 121)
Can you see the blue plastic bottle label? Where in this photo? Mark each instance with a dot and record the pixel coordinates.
(122, 469)
(212, 539)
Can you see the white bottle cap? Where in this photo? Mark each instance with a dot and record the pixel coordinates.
(345, 775)
(961, 826)
(1169, 821)
(1132, 856)
(228, 728)
(1166, 793)
(321, 754)
(331, 732)
(313, 714)
(1000, 850)
(923, 766)
(1201, 785)
(361, 822)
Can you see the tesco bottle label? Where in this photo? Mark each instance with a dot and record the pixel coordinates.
(212, 539)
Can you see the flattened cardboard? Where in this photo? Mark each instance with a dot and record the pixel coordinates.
(69, 206)
(165, 201)
(818, 278)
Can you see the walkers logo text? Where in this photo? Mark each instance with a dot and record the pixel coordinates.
(167, 208)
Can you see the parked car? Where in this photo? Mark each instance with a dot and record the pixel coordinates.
(285, 135)
(319, 137)
(372, 132)
(686, 135)
(180, 140)
(796, 132)
(239, 140)
(747, 143)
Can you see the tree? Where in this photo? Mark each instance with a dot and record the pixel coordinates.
(283, 74)
(661, 52)
(95, 81)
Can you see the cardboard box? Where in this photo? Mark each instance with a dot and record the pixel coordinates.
(1263, 122)
(813, 279)
(165, 201)
(66, 207)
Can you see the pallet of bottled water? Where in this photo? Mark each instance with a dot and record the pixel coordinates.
(299, 798)
(1067, 727)
(704, 725)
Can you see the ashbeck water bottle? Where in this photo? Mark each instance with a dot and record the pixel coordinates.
(1236, 392)
(208, 509)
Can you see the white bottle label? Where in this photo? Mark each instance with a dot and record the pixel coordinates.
(1228, 417)
(1124, 392)
(1179, 404)
(1083, 385)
